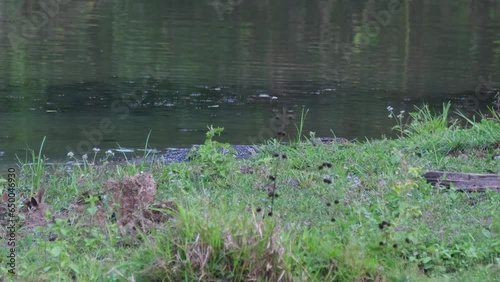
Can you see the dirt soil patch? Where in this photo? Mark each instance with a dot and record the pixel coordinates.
(130, 203)
(131, 196)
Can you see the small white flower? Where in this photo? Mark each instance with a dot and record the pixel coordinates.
(96, 150)
(389, 108)
(408, 194)
(400, 116)
(110, 153)
(389, 116)
(70, 154)
(84, 157)
(402, 112)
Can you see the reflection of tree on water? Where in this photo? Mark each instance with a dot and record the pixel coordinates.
(223, 7)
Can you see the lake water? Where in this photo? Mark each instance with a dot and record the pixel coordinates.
(105, 73)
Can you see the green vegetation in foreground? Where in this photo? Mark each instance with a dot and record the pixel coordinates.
(341, 212)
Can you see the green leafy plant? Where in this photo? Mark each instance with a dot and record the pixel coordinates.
(214, 157)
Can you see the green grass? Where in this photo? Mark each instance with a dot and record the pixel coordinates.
(328, 208)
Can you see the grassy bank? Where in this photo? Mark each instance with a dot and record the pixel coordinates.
(304, 212)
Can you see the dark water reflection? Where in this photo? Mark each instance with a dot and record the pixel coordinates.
(196, 63)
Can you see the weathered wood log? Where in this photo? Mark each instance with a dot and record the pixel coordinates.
(471, 182)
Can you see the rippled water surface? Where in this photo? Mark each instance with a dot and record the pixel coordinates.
(104, 73)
